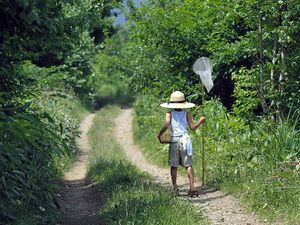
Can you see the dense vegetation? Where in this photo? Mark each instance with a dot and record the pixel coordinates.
(46, 53)
(252, 132)
(131, 196)
(253, 45)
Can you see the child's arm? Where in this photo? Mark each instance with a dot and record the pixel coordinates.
(165, 127)
(194, 126)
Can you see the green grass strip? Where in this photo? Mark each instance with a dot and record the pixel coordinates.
(133, 198)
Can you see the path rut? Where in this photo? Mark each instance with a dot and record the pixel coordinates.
(217, 206)
(80, 201)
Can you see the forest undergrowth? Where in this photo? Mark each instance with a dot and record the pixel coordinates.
(39, 147)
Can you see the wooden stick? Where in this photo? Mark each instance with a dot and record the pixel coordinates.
(202, 141)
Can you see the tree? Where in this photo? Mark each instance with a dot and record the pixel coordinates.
(251, 36)
(46, 53)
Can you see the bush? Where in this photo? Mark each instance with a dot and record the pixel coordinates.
(36, 146)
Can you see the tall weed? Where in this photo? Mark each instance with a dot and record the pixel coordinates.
(36, 145)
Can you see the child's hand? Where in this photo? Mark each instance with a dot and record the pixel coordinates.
(158, 137)
(202, 119)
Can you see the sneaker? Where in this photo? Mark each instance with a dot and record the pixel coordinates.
(193, 193)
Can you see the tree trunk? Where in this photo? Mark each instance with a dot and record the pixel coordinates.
(261, 64)
(283, 53)
(275, 49)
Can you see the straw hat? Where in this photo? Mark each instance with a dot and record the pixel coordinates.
(177, 101)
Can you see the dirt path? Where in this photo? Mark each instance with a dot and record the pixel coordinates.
(80, 201)
(218, 207)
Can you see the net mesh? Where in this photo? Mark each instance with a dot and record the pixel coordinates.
(203, 68)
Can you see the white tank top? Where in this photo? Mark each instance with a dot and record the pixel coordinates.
(178, 123)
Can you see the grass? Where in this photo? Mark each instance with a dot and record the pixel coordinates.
(70, 111)
(38, 144)
(133, 198)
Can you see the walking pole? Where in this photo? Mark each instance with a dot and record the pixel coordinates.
(203, 68)
(202, 142)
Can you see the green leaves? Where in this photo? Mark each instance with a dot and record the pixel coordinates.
(177, 33)
(34, 146)
(45, 55)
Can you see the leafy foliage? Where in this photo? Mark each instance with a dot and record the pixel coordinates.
(178, 32)
(110, 81)
(47, 50)
(37, 143)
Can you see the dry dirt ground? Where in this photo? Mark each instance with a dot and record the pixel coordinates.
(217, 207)
(80, 200)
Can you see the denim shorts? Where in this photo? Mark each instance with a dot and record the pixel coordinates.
(177, 155)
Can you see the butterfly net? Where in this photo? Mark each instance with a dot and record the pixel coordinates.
(203, 68)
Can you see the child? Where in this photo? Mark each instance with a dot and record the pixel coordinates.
(180, 149)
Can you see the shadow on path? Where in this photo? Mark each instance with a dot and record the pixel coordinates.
(80, 202)
(80, 198)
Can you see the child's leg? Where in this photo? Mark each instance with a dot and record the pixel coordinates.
(190, 173)
(174, 175)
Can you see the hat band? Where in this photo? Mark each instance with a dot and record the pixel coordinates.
(177, 101)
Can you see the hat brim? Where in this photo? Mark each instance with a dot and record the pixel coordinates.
(184, 105)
